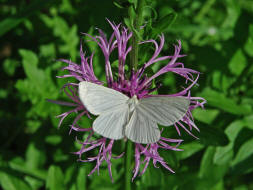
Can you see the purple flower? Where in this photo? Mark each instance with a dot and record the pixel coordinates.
(138, 84)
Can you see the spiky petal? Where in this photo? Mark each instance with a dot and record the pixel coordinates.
(137, 84)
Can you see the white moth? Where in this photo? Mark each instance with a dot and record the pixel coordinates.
(121, 116)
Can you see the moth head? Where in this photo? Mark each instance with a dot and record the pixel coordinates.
(132, 102)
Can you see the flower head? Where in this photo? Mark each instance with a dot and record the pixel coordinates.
(138, 84)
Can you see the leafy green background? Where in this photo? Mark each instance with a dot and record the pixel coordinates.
(216, 35)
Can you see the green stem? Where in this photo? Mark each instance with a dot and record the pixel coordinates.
(205, 8)
(137, 21)
(128, 168)
(134, 54)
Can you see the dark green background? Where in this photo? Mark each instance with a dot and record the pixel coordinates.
(216, 35)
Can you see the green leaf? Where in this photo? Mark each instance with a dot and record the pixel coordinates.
(212, 136)
(219, 100)
(248, 121)
(59, 156)
(249, 44)
(81, 179)
(35, 158)
(133, 2)
(171, 158)
(99, 71)
(32, 126)
(189, 150)
(127, 22)
(219, 186)
(208, 170)
(48, 50)
(225, 154)
(38, 86)
(70, 173)
(153, 178)
(132, 16)
(206, 162)
(55, 178)
(11, 181)
(118, 5)
(10, 66)
(66, 7)
(71, 41)
(3, 93)
(104, 179)
(130, 23)
(19, 165)
(9, 23)
(237, 63)
(206, 116)
(30, 62)
(243, 162)
(53, 139)
(221, 81)
(163, 23)
(233, 129)
(34, 182)
(67, 34)
(13, 21)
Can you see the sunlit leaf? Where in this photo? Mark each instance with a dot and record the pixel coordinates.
(163, 23)
(55, 179)
(11, 181)
(243, 162)
(237, 63)
(208, 170)
(81, 179)
(206, 116)
(189, 149)
(35, 158)
(19, 165)
(249, 44)
(10, 66)
(225, 154)
(13, 21)
(219, 100)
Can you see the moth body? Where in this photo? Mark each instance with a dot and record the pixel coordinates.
(136, 119)
(132, 103)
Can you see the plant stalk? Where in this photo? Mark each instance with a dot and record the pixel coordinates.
(137, 21)
(128, 168)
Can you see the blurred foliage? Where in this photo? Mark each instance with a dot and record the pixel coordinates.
(217, 36)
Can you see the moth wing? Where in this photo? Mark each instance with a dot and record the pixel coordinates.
(98, 99)
(141, 129)
(164, 110)
(111, 124)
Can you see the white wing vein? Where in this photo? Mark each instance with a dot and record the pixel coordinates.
(165, 110)
(111, 124)
(141, 129)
